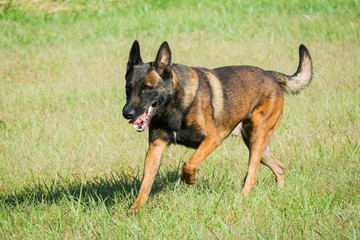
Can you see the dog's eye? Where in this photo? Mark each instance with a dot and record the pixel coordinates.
(146, 89)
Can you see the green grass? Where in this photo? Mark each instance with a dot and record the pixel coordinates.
(71, 166)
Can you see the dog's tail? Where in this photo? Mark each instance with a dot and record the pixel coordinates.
(301, 78)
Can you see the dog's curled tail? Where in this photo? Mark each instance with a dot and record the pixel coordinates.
(301, 78)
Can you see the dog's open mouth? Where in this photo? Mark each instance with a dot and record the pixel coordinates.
(142, 122)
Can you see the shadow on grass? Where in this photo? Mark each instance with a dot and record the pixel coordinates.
(110, 189)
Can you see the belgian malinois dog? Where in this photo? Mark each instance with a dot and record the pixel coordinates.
(199, 108)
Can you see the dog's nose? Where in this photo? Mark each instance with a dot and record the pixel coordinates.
(128, 113)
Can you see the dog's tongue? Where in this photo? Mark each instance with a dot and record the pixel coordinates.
(140, 119)
(141, 122)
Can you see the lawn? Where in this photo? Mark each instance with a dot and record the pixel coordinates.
(71, 165)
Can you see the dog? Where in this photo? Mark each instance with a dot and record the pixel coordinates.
(198, 108)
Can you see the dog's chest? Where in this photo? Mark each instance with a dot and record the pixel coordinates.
(187, 137)
(177, 130)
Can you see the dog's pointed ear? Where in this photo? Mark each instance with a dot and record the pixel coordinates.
(134, 56)
(162, 62)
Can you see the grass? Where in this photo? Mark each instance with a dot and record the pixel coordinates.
(71, 166)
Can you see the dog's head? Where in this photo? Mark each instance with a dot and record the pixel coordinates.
(148, 85)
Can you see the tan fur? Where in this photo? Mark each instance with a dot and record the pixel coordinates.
(217, 95)
(190, 88)
(151, 79)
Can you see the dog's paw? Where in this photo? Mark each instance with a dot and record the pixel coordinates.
(189, 179)
(243, 195)
(133, 211)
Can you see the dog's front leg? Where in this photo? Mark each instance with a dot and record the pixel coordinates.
(206, 147)
(152, 165)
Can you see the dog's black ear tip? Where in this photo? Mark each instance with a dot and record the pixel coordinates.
(165, 44)
(134, 56)
(302, 47)
(136, 43)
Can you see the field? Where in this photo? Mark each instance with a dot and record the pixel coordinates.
(71, 165)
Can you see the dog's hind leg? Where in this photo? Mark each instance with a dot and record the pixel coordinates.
(256, 132)
(255, 142)
(268, 159)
